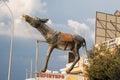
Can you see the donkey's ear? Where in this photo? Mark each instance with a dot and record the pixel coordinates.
(44, 20)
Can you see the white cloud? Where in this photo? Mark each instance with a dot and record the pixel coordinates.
(92, 31)
(3, 29)
(19, 7)
(77, 26)
(24, 30)
(59, 27)
(91, 20)
(30, 6)
(83, 29)
(50, 22)
(93, 36)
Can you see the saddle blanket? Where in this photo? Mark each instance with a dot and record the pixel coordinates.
(66, 37)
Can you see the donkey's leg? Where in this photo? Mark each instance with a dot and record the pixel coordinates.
(77, 57)
(50, 48)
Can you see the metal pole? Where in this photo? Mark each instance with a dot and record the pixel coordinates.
(11, 42)
(31, 70)
(36, 68)
(37, 54)
(37, 46)
(26, 73)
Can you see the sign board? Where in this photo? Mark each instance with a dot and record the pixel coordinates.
(107, 26)
(50, 76)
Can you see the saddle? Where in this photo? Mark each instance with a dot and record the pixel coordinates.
(66, 37)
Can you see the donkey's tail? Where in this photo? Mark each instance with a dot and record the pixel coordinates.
(84, 44)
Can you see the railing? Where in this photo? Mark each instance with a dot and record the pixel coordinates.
(112, 42)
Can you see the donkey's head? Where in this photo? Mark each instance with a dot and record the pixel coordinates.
(34, 21)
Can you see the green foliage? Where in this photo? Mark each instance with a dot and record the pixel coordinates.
(104, 63)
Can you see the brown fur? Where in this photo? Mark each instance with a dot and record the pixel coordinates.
(66, 37)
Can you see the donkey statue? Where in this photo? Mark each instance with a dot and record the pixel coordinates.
(56, 39)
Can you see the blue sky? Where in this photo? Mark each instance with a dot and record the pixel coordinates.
(71, 16)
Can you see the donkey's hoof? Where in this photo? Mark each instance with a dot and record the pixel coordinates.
(67, 71)
(42, 70)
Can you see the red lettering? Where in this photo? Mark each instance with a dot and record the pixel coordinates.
(62, 76)
(56, 76)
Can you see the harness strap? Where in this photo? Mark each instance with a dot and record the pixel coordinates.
(66, 45)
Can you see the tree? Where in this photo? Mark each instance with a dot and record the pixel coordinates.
(104, 63)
